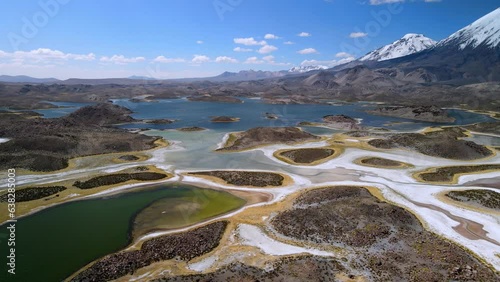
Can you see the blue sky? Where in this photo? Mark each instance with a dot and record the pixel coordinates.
(197, 38)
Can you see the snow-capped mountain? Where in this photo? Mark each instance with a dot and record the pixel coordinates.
(409, 44)
(485, 31)
(302, 69)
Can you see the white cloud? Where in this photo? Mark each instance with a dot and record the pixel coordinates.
(304, 34)
(269, 58)
(239, 49)
(225, 59)
(288, 42)
(267, 49)
(121, 60)
(343, 55)
(308, 51)
(253, 60)
(163, 59)
(271, 36)
(199, 59)
(199, 42)
(249, 41)
(357, 34)
(43, 55)
(265, 60)
(329, 64)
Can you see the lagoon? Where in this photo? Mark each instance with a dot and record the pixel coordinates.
(54, 243)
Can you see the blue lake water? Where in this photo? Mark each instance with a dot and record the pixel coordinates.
(252, 111)
(252, 114)
(65, 108)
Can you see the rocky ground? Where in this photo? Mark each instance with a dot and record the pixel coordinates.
(485, 127)
(486, 198)
(224, 119)
(118, 178)
(293, 269)
(341, 122)
(307, 155)
(39, 144)
(33, 193)
(390, 243)
(129, 158)
(423, 113)
(246, 178)
(192, 128)
(160, 121)
(184, 246)
(444, 143)
(267, 135)
(381, 162)
(446, 174)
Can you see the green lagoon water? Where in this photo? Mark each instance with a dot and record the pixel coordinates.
(56, 242)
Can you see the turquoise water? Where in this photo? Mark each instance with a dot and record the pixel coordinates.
(56, 242)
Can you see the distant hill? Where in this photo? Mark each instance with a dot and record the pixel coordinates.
(26, 79)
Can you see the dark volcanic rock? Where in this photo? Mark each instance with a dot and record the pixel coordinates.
(118, 178)
(128, 158)
(246, 178)
(33, 193)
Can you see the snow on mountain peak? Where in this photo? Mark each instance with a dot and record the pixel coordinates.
(485, 30)
(407, 45)
(302, 69)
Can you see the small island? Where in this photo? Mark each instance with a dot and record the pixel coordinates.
(260, 136)
(477, 198)
(271, 116)
(191, 129)
(245, 178)
(306, 156)
(112, 179)
(159, 121)
(341, 122)
(33, 193)
(381, 163)
(213, 98)
(222, 119)
(449, 174)
(422, 113)
(441, 142)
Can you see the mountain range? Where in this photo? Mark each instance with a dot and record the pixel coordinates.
(410, 44)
